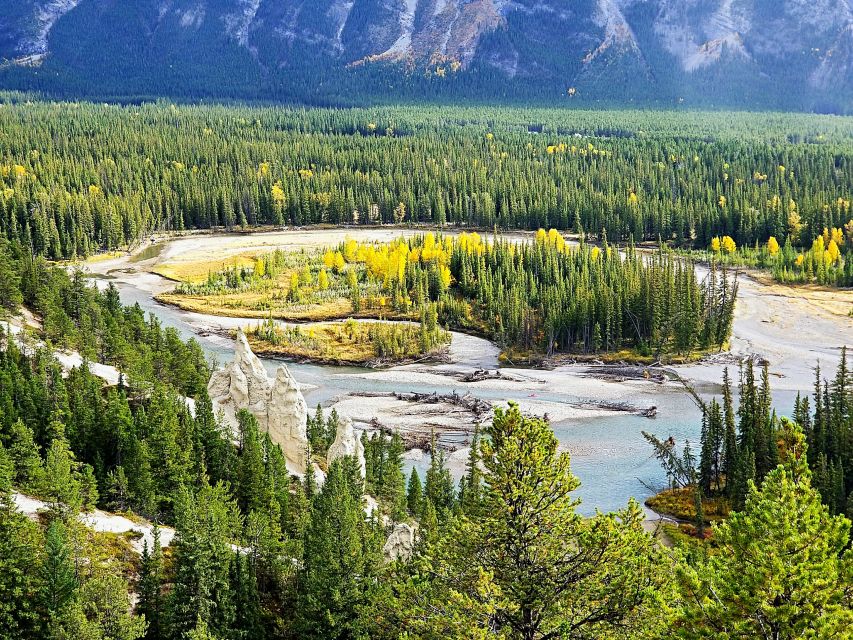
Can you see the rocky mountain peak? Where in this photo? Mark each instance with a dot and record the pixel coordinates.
(613, 49)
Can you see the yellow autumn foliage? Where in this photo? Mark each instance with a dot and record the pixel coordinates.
(772, 246)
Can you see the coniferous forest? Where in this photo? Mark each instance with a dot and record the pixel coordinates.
(241, 548)
(77, 178)
(258, 553)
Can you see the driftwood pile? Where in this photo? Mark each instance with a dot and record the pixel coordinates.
(420, 437)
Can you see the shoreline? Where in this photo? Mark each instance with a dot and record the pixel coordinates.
(608, 453)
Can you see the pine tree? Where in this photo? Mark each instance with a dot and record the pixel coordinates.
(150, 588)
(59, 577)
(251, 486)
(730, 446)
(19, 583)
(247, 623)
(61, 483)
(205, 524)
(438, 488)
(414, 495)
(102, 611)
(581, 577)
(782, 570)
(393, 488)
(25, 456)
(470, 500)
(706, 454)
(341, 553)
(10, 281)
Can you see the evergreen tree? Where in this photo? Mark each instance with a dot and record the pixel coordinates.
(730, 447)
(19, 583)
(58, 574)
(393, 487)
(529, 566)
(205, 525)
(247, 623)
(102, 611)
(61, 483)
(150, 588)
(782, 570)
(25, 457)
(470, 499)
(251, 473)
(341, 553)
(438, 487)
(415, 495)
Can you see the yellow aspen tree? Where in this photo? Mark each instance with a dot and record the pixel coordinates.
(832, 252)
(339, 263)
(772, 246)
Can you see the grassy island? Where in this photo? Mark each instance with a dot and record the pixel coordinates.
(544, 298)
(370, 344)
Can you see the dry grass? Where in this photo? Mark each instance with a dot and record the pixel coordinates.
(633, 356)
(113, 551)
(103, 257)
(261, 305)
(321, 342)
(196, 271)
(342, 343)
(258, 305)
(680, 504)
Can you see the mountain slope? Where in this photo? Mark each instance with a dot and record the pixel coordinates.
(788, 53)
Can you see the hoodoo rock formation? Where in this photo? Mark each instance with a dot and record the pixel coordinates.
(277, 404)
(347, 443)
(400, 544)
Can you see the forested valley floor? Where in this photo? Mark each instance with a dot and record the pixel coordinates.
(765, 501)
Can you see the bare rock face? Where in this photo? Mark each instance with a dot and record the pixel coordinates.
(278, 405)
(287, 417)
(347, 443)
(400, 545)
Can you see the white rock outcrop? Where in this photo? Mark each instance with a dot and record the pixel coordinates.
(277, 404)
(347, 443)
(400, 544)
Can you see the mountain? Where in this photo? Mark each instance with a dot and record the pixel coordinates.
(752, 53)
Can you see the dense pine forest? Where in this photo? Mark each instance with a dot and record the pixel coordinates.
(741, 444)
(258, 553)
(78, 178)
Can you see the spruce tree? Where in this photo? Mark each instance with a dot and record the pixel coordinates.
(150, 588)
(414, 495)
(341, 554)
(782, 570)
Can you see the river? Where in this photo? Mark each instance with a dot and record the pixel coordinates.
(609, 454)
